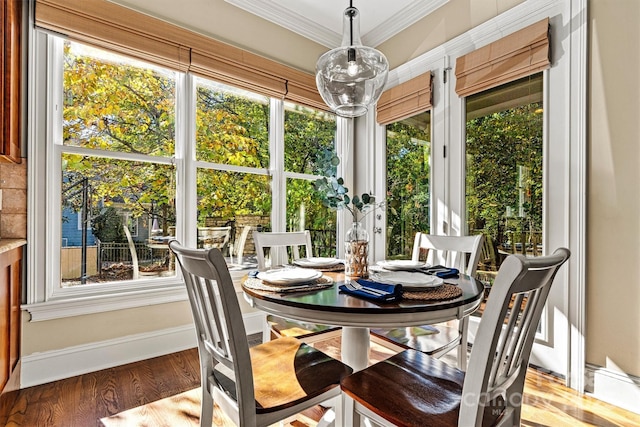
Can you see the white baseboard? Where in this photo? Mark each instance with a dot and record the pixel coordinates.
(41, 368)
(616, 388)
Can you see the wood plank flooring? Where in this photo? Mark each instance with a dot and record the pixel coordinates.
(159, 392)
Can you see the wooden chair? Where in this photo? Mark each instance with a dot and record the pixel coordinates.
(258, 386)
(278, 243)
(414, 389)
(461, 252)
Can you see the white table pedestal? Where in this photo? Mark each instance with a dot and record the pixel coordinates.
(355, 347)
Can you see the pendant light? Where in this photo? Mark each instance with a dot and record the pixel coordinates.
(350, 78)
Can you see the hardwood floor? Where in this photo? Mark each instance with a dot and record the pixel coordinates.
(160, 392)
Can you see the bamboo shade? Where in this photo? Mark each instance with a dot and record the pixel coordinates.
(518, 55)
(116, 28)
(302, 89)
(237, 74)
(405, 100)
(113, 27)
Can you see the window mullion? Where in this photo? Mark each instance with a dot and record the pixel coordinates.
(186, 188)
(276, 165)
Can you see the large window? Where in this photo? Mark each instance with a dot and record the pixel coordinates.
(504, 170)
(232, 150)
(133, 160)
(309, 148)
(408, 174)
(117, 142)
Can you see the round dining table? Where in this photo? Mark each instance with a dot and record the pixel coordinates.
(330, 306)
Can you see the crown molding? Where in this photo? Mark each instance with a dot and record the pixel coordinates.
(401, 20)
(276, 13)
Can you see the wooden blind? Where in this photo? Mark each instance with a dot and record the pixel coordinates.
(117, 28)
(518, 55)
(405, 100)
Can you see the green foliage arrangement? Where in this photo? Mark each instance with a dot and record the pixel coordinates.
(333, 194)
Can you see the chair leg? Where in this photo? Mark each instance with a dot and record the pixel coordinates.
(266, 330)
(463, 328)
(206, 411)
(350, 418)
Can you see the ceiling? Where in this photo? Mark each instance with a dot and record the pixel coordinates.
(321, 20)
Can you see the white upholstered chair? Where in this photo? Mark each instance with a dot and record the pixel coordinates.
(256, 386)
(279, 243)
(414, 389)
(461, 252)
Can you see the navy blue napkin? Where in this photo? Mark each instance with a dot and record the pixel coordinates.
(442, 272)
(391, 292)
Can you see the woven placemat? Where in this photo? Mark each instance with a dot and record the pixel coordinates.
(260, 285)
(446, 291)
(336, 267)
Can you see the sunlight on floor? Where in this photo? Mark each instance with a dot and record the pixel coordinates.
(547, 403)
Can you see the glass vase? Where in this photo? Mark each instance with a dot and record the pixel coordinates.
(356, 249)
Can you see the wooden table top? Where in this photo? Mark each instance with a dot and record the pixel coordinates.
(303, 304)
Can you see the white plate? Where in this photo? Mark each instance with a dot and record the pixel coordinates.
(289, 276)
(318, 262)
(401, 264)
(410, 281)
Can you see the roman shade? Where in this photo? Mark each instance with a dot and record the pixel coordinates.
(123, 30)
(110, 26)
(405, 100)
(518, 55)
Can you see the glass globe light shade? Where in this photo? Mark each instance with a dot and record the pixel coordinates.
(350, 78)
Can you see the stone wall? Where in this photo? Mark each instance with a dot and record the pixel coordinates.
(13, 215)
(240, 222)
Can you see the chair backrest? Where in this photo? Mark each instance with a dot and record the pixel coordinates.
(238, 249)
(134, 254)
(501, 349)
(222, 338)
(279, 242)
(461, 252)
(214, 237)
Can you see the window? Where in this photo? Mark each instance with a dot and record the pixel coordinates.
(408, 175)
(309, 151)
(118, 121)
(128, 174)
(504, 170)
(232, 150)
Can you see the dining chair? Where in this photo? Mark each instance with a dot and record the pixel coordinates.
(255, 386)
(214, 237)
(134, 254)
(279, 243)
(461, 252)
(237, 249)
(414, 389)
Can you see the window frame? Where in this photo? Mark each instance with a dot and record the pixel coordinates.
(46, 299)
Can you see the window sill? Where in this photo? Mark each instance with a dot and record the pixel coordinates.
(68, 307)
(91, 304)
